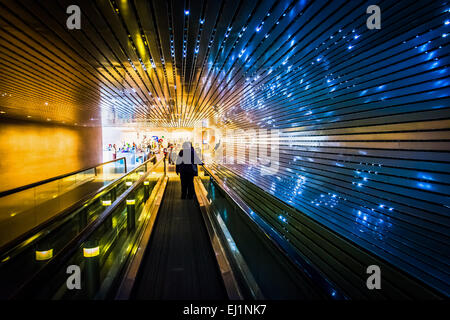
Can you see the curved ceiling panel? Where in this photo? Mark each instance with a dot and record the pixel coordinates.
(158, 62)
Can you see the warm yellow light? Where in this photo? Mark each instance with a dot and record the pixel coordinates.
(128, 183)
(106, 203)
(44, 255)
(141, 173)
(146, 183)
(91, 252)
(131, 201)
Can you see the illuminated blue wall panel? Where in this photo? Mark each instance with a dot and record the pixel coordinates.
(364, 125)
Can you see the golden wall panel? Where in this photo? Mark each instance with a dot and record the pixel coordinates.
(30, 152)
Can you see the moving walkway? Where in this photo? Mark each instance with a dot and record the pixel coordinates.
(234, 241)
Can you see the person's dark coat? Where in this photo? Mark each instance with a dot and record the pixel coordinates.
(187, 164)
(186, 167)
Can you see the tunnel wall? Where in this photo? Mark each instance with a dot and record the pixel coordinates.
(33, 151)
(363, 127)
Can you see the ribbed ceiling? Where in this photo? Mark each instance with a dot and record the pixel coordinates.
(170, 63)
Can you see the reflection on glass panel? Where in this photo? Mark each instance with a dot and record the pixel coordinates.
(26, 209)
(103, 255)
(32, 254)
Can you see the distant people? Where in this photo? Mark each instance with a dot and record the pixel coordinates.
(114, 152)
(171, 154)
(186, 167)
(217, 146)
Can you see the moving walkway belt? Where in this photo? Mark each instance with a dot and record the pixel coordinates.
(179, 261)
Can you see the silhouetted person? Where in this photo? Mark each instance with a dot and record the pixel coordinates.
(186, 167)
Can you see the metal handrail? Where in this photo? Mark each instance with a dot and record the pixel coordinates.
(58, 261)
(36, 184)
(226, 257)
(130, 274)
(301, 262)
